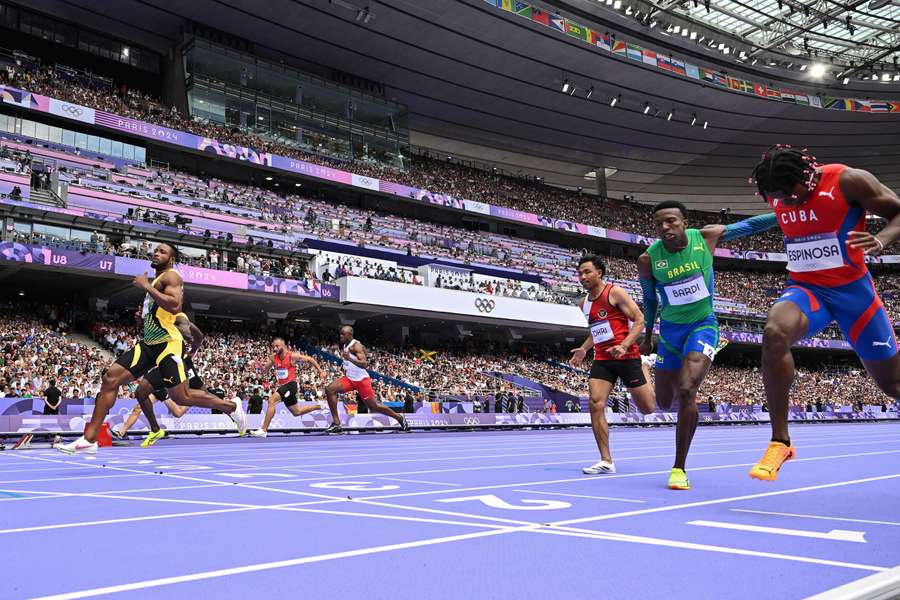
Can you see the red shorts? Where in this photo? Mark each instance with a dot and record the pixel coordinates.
(362, 387)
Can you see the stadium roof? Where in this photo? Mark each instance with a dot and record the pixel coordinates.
(486, 84)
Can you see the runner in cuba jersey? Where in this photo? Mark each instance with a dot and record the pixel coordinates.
(821, 210)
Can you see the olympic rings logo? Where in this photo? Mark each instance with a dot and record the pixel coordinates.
(485, 305)
(72, 111)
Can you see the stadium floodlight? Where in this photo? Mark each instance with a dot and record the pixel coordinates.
(705, 123)
(846, 80)
(652, 24)
(646, 108)
(817, 70)
(590, 92)
(617, 4)
(671, 114)
(693, 119)
(615, 100)
(565, 87)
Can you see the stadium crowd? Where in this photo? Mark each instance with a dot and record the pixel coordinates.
(423, 171)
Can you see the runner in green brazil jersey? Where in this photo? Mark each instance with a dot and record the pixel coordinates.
(678, 270)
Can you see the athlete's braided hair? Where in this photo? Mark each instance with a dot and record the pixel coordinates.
(781, 168)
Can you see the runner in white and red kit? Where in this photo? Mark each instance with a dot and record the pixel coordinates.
(608, 309)
(283, 361)
(355, 379)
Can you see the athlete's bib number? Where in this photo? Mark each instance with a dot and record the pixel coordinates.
(281, 373)
(602, 332)
(687, 292)
(814, 253)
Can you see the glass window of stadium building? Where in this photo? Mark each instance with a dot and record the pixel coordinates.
(292, 107)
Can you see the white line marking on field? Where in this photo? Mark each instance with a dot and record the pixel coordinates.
(845, 519)
(731, 499)
(419, 481)
(580, 496)
(152, 583)
(706, 547)
(837, 535)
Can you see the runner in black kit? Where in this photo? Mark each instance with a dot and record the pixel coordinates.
(152, 387)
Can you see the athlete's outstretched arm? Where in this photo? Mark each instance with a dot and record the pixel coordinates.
(299, 356)
(864, 189)
(650, 300)
(713, 234)
(580, 352)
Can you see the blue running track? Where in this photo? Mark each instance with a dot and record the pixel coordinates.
(441, 516)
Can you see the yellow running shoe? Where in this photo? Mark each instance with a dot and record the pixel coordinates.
(153, 437)
(678, 480)
(776, 455)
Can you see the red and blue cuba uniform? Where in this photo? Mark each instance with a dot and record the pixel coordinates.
(828, 280)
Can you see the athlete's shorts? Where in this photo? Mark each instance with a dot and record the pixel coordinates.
(166, 356)
(363, 387)
(288, 393)
(676, 340)
(628, 370)
(154, 378)
(855, 307)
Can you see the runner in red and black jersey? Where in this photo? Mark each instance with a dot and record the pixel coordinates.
(608, 309)
(283, 361)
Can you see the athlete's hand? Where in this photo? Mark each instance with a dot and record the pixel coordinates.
(865, 240)
(647, 346)
(618, 351)
(346, 355)
(577, 356)
(141, 282)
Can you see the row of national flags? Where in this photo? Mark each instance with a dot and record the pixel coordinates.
(666, 62)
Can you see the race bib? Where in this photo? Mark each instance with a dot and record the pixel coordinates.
(814, 253)
(281, 373)
(687, 291)
(602, 332)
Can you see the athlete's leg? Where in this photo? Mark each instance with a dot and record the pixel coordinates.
(299, 411)
(115, 377)
(129, 421)
(274, 399)
(145, 404)
(599, 390)
(374, 405)
(785, 326)
(798, 313)
(331, 392)
(886, 374)
(175, 410)
(694, 367)
(665, 387)
(865, 323)
(185, 396)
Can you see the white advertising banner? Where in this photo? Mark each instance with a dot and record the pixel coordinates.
(414, 297)
(481, 208)
(370, 183)
(71, 111)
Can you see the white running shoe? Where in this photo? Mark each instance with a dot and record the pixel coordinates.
(259, 433)
(79, 446)
(240, 418)
(599, 468)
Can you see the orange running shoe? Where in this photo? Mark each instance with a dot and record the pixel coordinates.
(776, 455)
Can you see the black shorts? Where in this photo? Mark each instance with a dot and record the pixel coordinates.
(165, 356)
(288, 393)
(154, 378)
(629, 371)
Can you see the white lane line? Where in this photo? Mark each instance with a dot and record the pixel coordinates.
(824, 518)
(152, 583)
(620, 537)
(420, 481)
(623, 475)
(657, 509)
(581, 496)
(123, 520)
(837, 535)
